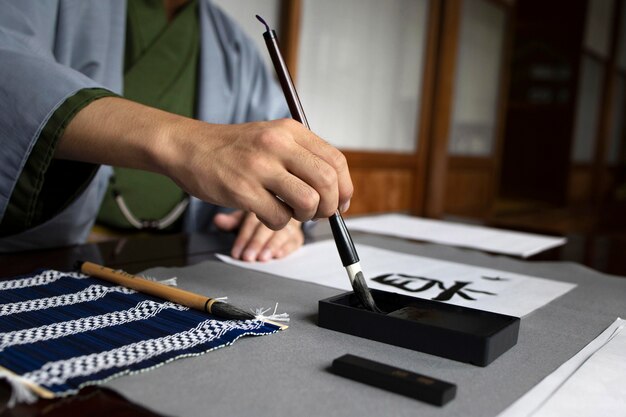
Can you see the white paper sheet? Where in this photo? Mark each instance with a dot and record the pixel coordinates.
(454, 234)
(481, 288)
(592, 383)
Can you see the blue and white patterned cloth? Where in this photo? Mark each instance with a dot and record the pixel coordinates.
(63, 331)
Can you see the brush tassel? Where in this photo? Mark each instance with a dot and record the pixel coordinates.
(350, 259)
(361, 290)
(222, 309)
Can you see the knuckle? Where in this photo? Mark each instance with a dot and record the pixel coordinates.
(242, 193)
(257, 163)
(347, 191)
(268, 139)
(328, 177)
(308, 201)
(338, 159)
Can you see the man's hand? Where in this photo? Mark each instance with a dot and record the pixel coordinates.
(255, 242)
(278, 170)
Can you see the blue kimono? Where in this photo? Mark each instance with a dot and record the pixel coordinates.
(52, 49)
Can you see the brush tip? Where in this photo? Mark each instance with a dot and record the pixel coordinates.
(229, 311)
(363, 293)
(78, 265)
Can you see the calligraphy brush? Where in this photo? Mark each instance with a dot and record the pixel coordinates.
(343, 240)
(189, 299)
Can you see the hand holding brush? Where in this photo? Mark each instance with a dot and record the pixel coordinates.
(343, 240)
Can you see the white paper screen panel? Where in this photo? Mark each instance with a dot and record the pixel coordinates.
(477, 83)
(360, 65)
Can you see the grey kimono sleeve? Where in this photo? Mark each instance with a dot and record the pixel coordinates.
(49, 51)
(45, 185)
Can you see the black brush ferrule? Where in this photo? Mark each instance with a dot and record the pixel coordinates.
(343, 240)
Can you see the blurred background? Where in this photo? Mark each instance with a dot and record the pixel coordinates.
(499, 112)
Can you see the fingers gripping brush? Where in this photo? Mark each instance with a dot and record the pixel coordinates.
(343, 240)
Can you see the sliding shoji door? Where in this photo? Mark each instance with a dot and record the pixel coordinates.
(599, 127)
(474, 136)
(361, 78)
(410, 91)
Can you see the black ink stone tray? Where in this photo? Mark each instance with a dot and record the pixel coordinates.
(454, 332)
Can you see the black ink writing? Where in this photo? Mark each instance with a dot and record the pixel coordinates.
(494, 278)
(414, 283)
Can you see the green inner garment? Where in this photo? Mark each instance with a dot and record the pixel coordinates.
(46, 186)
(161, 63)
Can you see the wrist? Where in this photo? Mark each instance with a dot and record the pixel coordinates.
(179, 141)
(115, 131)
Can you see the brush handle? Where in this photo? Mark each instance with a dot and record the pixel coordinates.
(343, 240)
(186, 298)
(284, 77)
(342, 237)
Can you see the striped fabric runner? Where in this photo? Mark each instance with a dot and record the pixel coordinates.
(63, 331)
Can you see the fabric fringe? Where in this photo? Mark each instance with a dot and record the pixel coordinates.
(261, 314)
(184, 340)
(171, 282)
(20, 392)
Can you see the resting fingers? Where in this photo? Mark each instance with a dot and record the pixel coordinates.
(256, 242)
(283, 242)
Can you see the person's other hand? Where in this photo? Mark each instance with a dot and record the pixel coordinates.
(256, 242)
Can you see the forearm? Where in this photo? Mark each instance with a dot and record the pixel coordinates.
(277, 169)
(119, 132)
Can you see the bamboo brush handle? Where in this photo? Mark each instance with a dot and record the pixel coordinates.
(186, 298)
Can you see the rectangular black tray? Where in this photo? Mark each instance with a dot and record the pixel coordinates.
(460, 333)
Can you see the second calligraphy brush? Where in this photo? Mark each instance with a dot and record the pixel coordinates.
(343, 240)
(189, 299)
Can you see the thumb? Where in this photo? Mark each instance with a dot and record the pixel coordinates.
(228, 221)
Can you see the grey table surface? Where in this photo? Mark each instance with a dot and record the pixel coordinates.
(287, 373)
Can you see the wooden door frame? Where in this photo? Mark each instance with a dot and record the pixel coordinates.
(414, 162)
(483, 171)
(291, 12)
(503, 94)
(606, 122)
(428, 164)
(434, 161)
(423, 138)
(436, 113)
